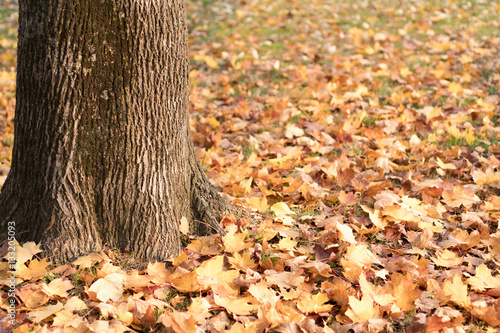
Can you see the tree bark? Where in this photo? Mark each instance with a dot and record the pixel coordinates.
(102, 152)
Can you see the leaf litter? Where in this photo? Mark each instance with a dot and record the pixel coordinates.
(364, 136)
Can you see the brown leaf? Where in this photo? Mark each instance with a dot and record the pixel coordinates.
(44, 312)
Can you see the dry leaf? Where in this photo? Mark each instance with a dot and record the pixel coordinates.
(107, 288)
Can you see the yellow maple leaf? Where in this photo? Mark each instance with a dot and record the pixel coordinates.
(58, 287)
(158, 272)
(454, 131)
(445, 166)
(361, 255)
(211, 267)
(398, 213)
(431, 112)
(211, 62)
(199, 306)
(213, 122)
(258, 203)
(241, 306)
(460, 196)
(361, 310)
(375, 217)
(263, 293)
(242, 261)
(62, 317)
(405, 291)
(75, 304)
(179, 321)
(88, 260)
(180, 259)
(447, 258)
(378, 293)
(134, 280)
(484, 279)
(26, 252)
(455, 88)
(185, 283)
(486, 178)
(286, 244)
(235, 242)
(457, 290)
(36, 270)
(314, 303)
(281, 209)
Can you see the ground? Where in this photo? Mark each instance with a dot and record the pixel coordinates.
(364, 138)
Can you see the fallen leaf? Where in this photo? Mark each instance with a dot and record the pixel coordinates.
(281, 209)
(107, 288)
(361, 310)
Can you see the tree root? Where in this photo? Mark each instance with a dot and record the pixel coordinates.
(209, 208)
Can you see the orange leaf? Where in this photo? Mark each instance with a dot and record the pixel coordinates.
(36, 270)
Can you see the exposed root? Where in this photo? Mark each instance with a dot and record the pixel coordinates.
(209, 208)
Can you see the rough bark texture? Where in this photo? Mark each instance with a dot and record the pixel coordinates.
(102, 151)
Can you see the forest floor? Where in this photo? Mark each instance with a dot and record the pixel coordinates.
(364, 133)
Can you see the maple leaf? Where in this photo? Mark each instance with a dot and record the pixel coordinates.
(447, 258)
(33, 296)
(460, 196)
(242, 261)
(484, 279)
(263, 293)
(345, 233)
(89, 260)
(134, 280)
(200, 306)
(284, 279)
(314, 303)
(26, 252)
(486, 178)
(142, 312)
(488, 313)
(234, 242)
(281, 209)
(58, 287)
(444, 317)
(185, 282)
(75, 304)
(361, 310)
(184, 226)
(286, 244)
(378, 293)
(207, 245)
(293, 131)
(405, 291)
(158, 272)
(42, 313)
(36, 270)
(241, 306)
(457, 291)
(258, 203)
(107, 288)
(62, 317)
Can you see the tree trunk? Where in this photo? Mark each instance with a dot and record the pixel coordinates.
(102, 153)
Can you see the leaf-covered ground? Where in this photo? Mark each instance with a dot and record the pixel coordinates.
(365, 137)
